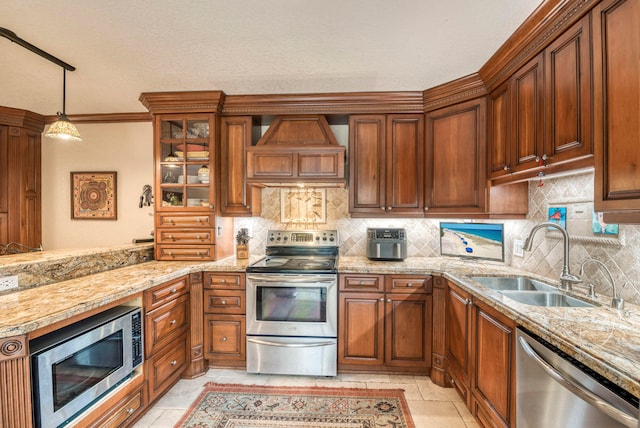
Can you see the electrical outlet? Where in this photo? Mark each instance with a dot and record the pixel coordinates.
(8, 282)
(518, 249)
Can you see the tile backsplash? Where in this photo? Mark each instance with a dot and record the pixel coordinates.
(621, 254)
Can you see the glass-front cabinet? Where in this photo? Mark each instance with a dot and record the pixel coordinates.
(185, 147)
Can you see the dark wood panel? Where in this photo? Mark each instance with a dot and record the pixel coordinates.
(361, 337)
(408, 330)
(458, 334)
(224, 338)
(366, 163)
(499, 131)
(616, 49)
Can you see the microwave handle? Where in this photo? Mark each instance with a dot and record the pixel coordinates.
(378, 250)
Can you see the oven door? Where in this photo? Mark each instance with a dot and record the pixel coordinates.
(292, 305)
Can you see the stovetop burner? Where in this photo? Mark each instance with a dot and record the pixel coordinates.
(301, 252)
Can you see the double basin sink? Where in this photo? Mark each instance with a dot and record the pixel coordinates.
(530, 291)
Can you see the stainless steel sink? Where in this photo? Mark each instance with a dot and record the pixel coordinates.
(545, 298)
(513, 283)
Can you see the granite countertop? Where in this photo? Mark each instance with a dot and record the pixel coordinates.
(603, 338)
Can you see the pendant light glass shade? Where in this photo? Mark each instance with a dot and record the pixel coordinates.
(63, 129)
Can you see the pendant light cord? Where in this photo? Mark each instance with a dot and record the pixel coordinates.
(64, 91)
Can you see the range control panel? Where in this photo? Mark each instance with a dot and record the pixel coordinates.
(307, 238)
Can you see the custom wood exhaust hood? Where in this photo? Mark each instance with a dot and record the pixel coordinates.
(297, 150)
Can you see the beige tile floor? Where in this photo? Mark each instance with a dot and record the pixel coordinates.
(431, 405)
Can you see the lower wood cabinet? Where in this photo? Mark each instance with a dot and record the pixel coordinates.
(480, 353)
(166, 331)
(385, 322)
(224, 319)
(119, 409)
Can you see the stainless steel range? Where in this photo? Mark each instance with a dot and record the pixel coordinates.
(292, 305)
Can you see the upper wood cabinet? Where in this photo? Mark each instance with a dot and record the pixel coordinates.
(386, 175)
(568, 96)
(616, 49)
(455, 161)
(237, 198)
(20, 177)
(186, 149)
(539, 121)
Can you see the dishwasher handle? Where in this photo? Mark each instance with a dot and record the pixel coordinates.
(577, 389)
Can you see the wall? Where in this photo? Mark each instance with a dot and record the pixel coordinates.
(620, 254)
(124, 148)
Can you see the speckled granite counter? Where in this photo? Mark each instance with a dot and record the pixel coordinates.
(27, 310)
(604, 339)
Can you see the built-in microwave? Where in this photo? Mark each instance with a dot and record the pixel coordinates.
(73, 367)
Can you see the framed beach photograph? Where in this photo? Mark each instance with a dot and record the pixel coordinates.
(93, 196)
(472, 240)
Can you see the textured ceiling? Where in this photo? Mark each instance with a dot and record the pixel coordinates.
(124, 47)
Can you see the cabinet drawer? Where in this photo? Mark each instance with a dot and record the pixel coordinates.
(163, 293)
(125, 411)
(185, 220)
(224, 280)
(197, 236)
(361, 282)
(224, 337)
(409, 284)
(176, 252)
(224, 302)
(165, 323)
(166, 367)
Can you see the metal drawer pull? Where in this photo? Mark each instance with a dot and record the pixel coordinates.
(224, 339)
(172, 322)
(197, 236)
(174, 362)
(173, 290)
(577, 389)
(131, 410)
(382, 299)
(170, 236)
(289, 345)
(224, 302)
(409, 284)
(223, 281)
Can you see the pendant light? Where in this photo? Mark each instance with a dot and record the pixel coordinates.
(62, 128)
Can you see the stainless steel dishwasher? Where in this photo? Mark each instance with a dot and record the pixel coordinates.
(554, 390)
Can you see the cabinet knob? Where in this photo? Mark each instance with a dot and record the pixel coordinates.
(170, 236)
(453, 382)
(173, 290)
(170, 253)
(382, 299)
(409, 284)
(388, 208)
(172, 322)
(383, 208)
(199, 220)
(198, 236)
(131, 410)
(388, 300)
(198, 253)
(223, 281)
(174, 362)
(468, 302)
(224, 302)
(506, 167)
(224, 339)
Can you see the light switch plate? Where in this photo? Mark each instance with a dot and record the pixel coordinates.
(518, 249)
(8, 282)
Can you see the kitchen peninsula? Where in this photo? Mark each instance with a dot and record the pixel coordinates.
(602, 338)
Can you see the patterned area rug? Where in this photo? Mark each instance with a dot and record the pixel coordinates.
(254, 406)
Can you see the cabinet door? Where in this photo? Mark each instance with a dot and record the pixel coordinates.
(616, 49)
(237, 198)
(456, 159)
(366, 164)
(493, 379)
(224, 338)
(184, 144)
(458, 338)
(568, 95)
(361, 337)
(527, 114)
(499, 131)
(404, 154)
(408, 330)
(164, 368)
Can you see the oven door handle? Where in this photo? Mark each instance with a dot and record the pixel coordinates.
(290, 345)
(289, 279)
(577, 389)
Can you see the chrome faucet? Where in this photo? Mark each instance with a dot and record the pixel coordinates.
(566, 278)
